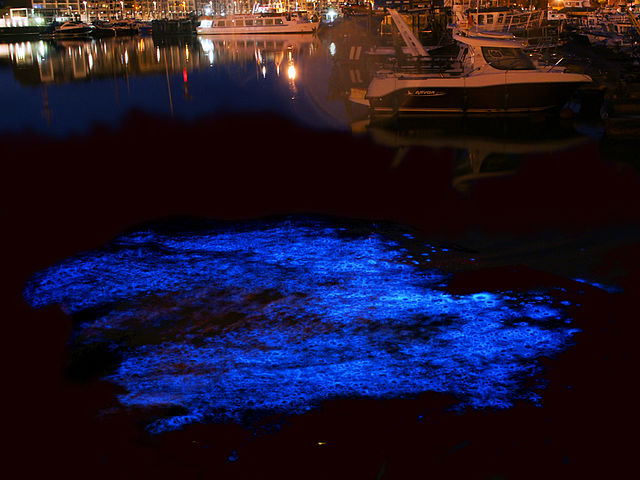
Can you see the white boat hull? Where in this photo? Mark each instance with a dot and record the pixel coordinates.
(260, 30)
(482, 94)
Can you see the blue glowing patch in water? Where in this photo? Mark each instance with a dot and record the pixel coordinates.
(601, 286)
(279, 318)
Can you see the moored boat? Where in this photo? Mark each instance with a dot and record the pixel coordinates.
(490, 74)
(124, 28)
(73, 28)
(292, 22)
(102, 29)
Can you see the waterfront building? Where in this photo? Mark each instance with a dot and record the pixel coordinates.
(27, 17)
(89, 10)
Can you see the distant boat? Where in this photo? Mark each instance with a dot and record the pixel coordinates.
(124, 28)
(612, 28)
(144, 28)
(292, 22)
(102, 29)
(73, 28)
(120, 28)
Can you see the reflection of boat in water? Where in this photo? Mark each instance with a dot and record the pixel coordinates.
(292, 22)
(258, 48)
(73, 28)
(489, 73)
(259, 39)
(70, 59)
(486, 146)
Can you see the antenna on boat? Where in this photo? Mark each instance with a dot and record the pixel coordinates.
(415, 47)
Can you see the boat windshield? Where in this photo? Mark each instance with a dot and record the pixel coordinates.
(504, 58)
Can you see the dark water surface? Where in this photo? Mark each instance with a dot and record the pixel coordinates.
(220, 269)
(69, 86)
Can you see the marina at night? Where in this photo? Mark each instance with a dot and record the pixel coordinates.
(382, 240)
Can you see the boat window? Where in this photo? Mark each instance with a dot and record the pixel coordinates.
(238, 23)
(480, 19)
(258, 22)
(268, 21)
(507, 58)
(248, 23)
(221, 23)
(489, 19)
(278, 21)
(501, 18)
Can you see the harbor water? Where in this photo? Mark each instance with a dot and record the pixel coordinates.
(221, 267)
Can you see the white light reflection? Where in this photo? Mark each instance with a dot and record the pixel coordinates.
(207, 48)
(332, 49)
(291, 72)
(42, 50)
(21, 52)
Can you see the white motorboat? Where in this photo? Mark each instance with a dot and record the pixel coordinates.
(292, 22)
(490, 73)
(73, 28)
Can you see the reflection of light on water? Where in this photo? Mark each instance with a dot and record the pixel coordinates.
(291, 72)
(42, 50)
(284, 316)
(207, 48)
(332, 49)
(20, 51)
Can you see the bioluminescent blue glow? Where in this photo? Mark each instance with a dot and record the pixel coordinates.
(602, 286)
(281, 317)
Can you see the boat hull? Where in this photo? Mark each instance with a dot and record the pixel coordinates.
(267, 29)
(73, 32)
(524, 97)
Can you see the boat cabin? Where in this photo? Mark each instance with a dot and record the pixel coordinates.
(504, 18)
(501, 52)
(243, 21)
